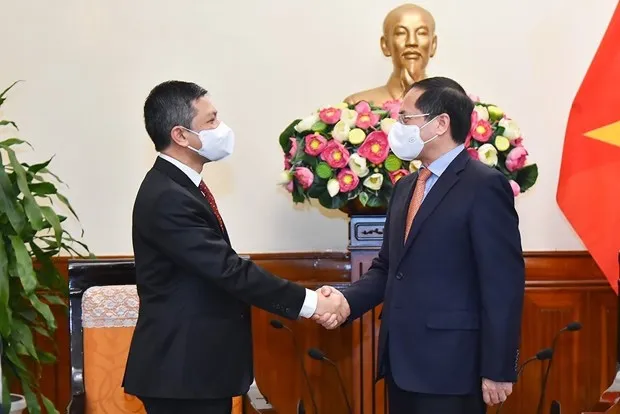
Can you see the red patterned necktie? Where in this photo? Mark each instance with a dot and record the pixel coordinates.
(211, 200)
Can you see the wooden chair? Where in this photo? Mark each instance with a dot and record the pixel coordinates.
(103, 309)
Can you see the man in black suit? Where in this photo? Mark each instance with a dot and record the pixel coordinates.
(191, 351)
(450, 272)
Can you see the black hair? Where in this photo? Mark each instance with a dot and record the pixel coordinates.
(170, 104)
(445, 96)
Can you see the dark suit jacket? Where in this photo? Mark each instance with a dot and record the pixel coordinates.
(193, 336)
(453, 293)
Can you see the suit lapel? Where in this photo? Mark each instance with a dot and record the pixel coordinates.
(444, 184)
(182, 179)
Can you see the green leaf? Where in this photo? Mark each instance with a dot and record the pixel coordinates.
(5, 310)
(4, 92)
(527, 177)
(64, 200)
(23, 265)
(31, 398)
(5, 122)
(46, 357)
(285, 142)
(54, 300)
(52, 218)
(35, 168)
(6, 393)
(375, 201)
(298, 194)
(22, 334)
(9, 142)
(49, 405)
(33, 211)
(363, 197)
(330, 202)
(8, 202)
(44, 310)
(310, 160)
(42, 331)
(42, 189)
(317, 188)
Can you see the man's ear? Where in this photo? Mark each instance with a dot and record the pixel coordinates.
(443, 124)
(178, 135)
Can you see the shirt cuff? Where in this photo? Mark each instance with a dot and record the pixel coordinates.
(310, 303)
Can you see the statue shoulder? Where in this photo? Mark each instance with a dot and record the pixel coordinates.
(376, 96)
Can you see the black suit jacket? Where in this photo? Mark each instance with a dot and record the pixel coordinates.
(193, 336)
(453, 292)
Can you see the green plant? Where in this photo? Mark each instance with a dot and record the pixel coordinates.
(31, 234)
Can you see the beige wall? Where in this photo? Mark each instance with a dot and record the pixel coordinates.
(88, 66)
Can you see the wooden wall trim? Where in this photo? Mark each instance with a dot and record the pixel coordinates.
(543, 268)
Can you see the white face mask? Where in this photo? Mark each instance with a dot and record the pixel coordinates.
(217, 143)
(405, 140)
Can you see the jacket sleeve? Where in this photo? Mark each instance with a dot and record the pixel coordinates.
(369, 291)
(180, 231)
(496, 243)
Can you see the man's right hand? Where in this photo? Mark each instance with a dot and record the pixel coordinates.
(332, 309)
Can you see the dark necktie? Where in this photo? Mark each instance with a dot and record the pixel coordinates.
(211, 200)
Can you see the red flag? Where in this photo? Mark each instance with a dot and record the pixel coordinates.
(589, 185)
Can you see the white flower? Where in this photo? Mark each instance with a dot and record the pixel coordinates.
(358, 165)
(483, 113)
(306, 123)
(386, 124)
(333, 187)
(348, 116)
(415, 165)
(374, 181)
(511, 129)
(341, 131)
(285, 177)
(487, 154)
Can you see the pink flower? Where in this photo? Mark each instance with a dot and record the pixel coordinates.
(473, 97)
(289, 186)
(304, 176)
(348, 180)
(335, 154)
(393, 107)
(516, 190)
(482, 131)
(473, 153)
(474, 121)
(315, 144)
(293, 149)
(517, 142)
(397, 175)
(287, 164)
(330, 115)
(365, 117)
(516, 159)
(375, 148)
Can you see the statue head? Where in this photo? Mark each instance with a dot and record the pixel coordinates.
(409, 39)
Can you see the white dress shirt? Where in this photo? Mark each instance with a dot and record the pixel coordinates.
(311, 300)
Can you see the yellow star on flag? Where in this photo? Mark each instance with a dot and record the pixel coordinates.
(608, 133)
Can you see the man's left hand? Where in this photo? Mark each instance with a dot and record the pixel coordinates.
(495, 392)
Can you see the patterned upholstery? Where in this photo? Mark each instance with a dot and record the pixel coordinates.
(109, 314)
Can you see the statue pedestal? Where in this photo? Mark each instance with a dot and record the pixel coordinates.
(365, 239)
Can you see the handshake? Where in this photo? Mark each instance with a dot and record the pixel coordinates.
(332, 308)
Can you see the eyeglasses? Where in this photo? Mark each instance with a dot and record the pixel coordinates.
(403, 118)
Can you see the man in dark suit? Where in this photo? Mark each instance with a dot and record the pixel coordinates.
(191, 351)
(450, 272)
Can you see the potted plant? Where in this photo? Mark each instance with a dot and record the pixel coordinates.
(31, 234)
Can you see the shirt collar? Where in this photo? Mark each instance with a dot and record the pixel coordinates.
(438, 166)
(191, 173)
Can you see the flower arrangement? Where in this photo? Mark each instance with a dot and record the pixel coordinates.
(340, 155)
(496, 141)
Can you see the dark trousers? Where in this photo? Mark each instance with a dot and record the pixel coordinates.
(407, 402)
(171, 406)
